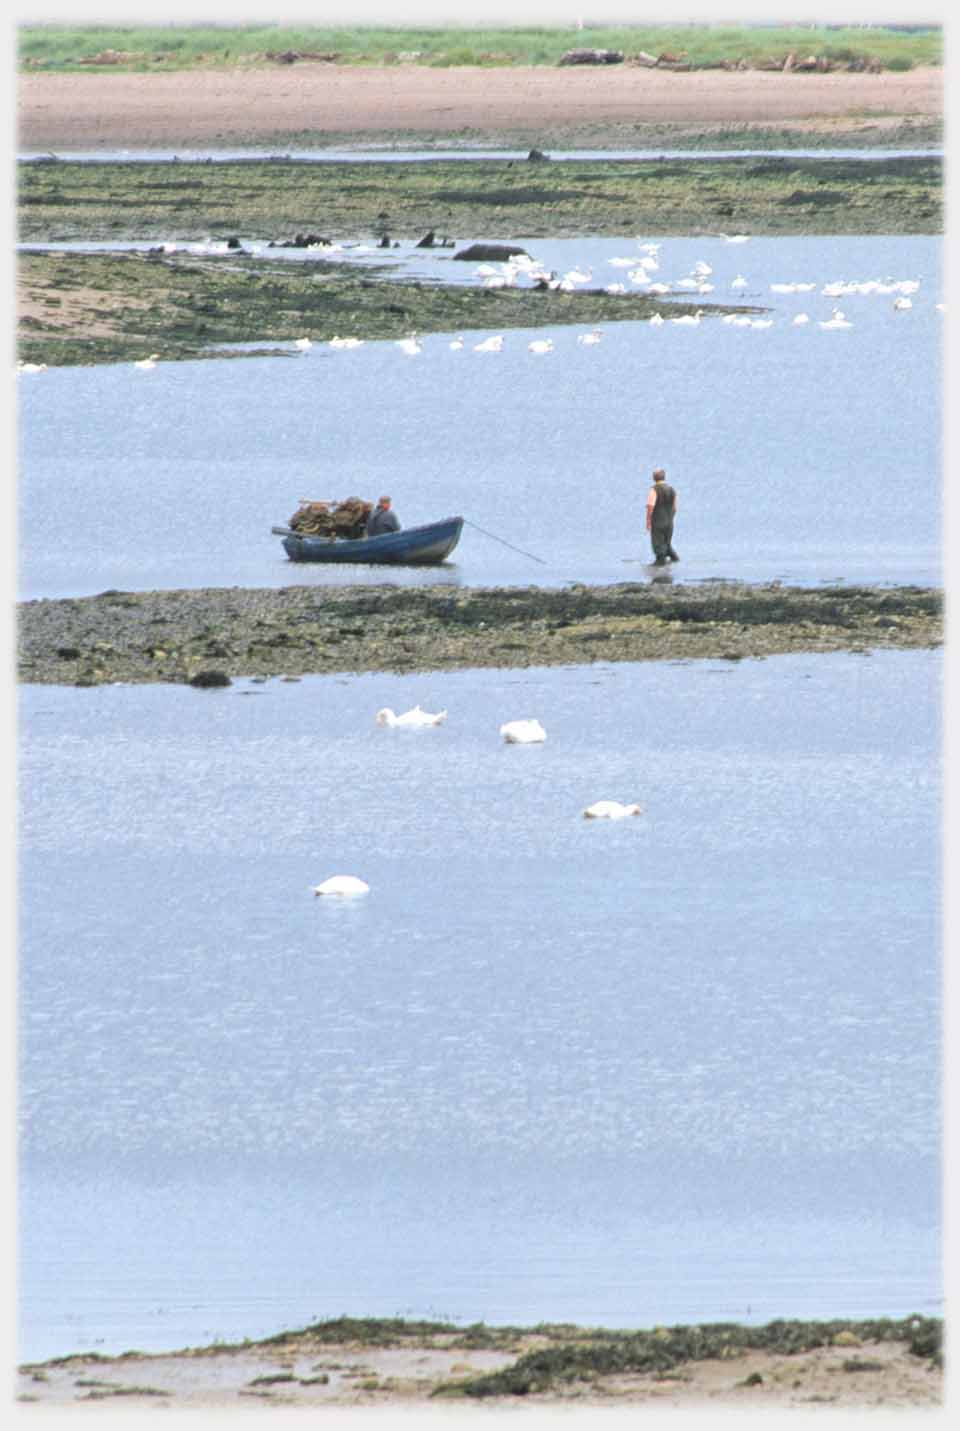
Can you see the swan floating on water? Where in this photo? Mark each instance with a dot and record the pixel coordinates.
(414, 717)
(147, 363)
(410, 345)
(456, 344)
(489, 345)
(303, 344)
(588, 338)
(541, 345)
(610, 810)
(343, 885)
(801, 318)
(523, 732)
(336, 342)
(837, 321)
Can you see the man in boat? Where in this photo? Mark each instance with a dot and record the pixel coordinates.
(382, 519)
(661, 510)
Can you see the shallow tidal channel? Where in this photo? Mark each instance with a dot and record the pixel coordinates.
(681, 1067)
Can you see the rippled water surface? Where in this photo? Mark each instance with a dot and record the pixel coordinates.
(680, 1067)
(791, 447)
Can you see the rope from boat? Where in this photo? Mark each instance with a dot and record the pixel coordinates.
(503, 543)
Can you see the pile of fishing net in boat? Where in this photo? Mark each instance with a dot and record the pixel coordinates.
(346, 519)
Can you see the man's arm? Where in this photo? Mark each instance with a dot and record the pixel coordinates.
(651, 503)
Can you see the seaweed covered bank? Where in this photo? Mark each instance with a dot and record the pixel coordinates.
(209, 636)
(369, 1362)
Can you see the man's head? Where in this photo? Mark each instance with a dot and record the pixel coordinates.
(383, 502)
(659, 475)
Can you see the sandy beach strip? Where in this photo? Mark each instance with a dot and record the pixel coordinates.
(234, 106)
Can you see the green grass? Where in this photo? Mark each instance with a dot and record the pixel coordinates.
(64, 47)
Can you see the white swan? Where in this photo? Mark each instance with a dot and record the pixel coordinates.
(659, 288)
(31, 367)
(589, 338)
(541, 345)
(409, 345)
(616, 288)
(145, 364)
(523, 732)
(456, 344)
(336, 342)
(691, 320)
(579, 275)
(303, 344)
(761, 322)
(837, 321)
(610, 810)
(739, 281)
(414, 717)
(489, 345)
(801, 318)
(657, 320)
(735, 238)
(342, 885)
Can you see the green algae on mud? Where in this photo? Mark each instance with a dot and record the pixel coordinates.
(178, 636)
(98, 308)
(62, 202)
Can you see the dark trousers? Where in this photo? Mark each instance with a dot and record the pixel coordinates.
(661, 539)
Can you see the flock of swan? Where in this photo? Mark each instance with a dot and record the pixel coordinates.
(642, 268)
(528, 731)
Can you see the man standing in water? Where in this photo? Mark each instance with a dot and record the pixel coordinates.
(661, 510)
(382, 519)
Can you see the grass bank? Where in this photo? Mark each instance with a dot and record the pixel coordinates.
(67, 48)
(180, 636)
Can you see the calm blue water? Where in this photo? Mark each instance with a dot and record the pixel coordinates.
(791, 448)
(681, 1067)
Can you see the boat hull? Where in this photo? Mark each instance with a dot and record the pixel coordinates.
(414, 546)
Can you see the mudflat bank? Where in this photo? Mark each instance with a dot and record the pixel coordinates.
(435, 1367)
(212, 635)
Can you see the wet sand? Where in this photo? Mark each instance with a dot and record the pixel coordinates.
(606, 106)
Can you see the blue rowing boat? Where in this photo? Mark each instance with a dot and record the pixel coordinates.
(413, 546)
